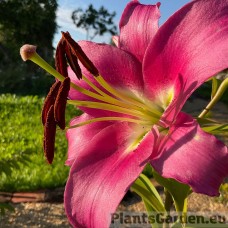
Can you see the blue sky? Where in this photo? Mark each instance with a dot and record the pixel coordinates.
(66, 7)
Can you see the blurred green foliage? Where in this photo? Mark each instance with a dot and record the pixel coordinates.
(148, 171)
(223, 193)
(5, 207)
(21, 22)
(22, 163)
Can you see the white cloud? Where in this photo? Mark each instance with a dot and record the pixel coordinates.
(65, 22)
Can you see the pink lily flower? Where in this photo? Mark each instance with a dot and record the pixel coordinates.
(144, 82)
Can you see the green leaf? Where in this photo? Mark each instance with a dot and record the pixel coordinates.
(145, 189)
(178, 191)
(216, 129)
(5, 168)
(148, 171)
(206, 122)
(150, 212)
(212, 126)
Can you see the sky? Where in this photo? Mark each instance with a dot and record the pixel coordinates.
(66, 7)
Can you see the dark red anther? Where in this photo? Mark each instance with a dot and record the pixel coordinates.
(50, 100)
(73, 62)
(77, 50)
(60, 103)
(60, 58)
(49, 135)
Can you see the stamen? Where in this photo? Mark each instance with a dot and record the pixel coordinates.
(100, 119)
(97, 96)
(60, 60)
(122, 96)
(49, 135)
(113, 108)
(108, 98)
(60, 103)
(49, 100)
(93, 86)
(77, 50)
(73, 62)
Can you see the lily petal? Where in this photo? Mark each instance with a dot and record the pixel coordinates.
(78, 138)
(102, 174)
(187, 50)
(138, 25)
(192, 156)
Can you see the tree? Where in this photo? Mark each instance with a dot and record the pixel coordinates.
(95, 22)
(25, 21)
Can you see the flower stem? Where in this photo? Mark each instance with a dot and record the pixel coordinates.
(216, 98)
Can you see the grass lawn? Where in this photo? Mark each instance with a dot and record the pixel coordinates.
(22, 163)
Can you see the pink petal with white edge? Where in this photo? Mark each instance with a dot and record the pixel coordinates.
(191, 156)
(102, 174)
(118, 68)
(138, 25)
(187, 50)
(79, 138)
